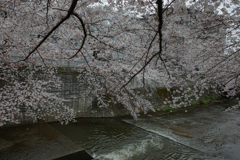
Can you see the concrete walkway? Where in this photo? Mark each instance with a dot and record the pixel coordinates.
(35, 142)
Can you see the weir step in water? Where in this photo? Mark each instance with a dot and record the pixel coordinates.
(81, 155)
(38, 141)
(203, 133)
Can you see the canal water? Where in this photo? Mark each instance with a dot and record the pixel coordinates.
(205, 132)
(112, 139)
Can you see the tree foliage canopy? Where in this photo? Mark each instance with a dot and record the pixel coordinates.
(190, 45)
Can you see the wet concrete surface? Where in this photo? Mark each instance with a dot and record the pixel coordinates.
(34, 142)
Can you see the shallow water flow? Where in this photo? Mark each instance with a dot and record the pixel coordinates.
(204, 132)
(114, 139)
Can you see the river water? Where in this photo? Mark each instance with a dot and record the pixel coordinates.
(205, 132)
(116, 140)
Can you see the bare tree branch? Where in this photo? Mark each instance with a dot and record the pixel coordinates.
(70, 11)
(160, 3)
(160, 17)
(168, 6)
(87, 62)
(140, 70)
(102, 42)
(223, 60)
(48, 4)
(41, 58)
(150, 45)
(84, 31)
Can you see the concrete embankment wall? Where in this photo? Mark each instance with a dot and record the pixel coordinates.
(74, 91)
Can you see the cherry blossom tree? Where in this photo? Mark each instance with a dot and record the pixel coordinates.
(212, 49)
(195, 43)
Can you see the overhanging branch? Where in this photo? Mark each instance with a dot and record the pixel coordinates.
(70, 12)
(84, 31)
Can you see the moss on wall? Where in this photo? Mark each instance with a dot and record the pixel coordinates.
(163, 93)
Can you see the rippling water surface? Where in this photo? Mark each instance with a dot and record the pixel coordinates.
(113, 139)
